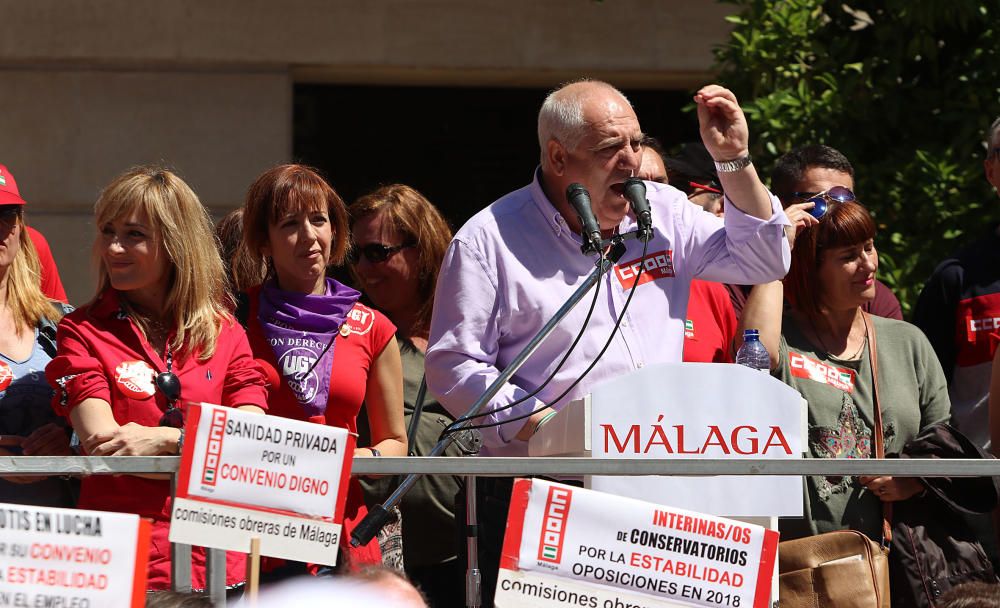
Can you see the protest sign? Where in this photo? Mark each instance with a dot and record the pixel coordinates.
(571, 546)
(68, 558)
(244, 475)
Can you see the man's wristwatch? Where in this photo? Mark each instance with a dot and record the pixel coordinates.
(732, 166)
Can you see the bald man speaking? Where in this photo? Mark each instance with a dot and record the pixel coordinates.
(515, 263)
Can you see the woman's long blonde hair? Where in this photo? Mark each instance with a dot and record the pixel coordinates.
(197, 294)
(25, 299)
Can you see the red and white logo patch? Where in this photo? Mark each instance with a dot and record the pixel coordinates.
(360, 320)
(817, 371)
(550, 544)
(980, 317)
(135, 379)
(6, 375)
(656, 265)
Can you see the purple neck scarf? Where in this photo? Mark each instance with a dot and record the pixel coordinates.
(302, 330)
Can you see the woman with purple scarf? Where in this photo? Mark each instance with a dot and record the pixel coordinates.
(329, 352)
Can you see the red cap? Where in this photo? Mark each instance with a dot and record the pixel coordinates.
(8, 188)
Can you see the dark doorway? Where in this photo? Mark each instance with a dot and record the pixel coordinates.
(461, 147)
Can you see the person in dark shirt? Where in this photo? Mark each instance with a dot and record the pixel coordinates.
(810, 170)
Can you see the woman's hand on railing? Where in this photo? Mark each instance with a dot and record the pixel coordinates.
(890, 489)
(10, 445)
(133, 439)
(47, 440)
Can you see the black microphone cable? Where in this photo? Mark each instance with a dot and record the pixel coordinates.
(593, 304)
(604, 349)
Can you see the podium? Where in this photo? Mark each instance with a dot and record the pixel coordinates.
(689, 411)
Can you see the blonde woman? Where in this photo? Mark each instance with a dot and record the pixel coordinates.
(156, 336)
(28, 426)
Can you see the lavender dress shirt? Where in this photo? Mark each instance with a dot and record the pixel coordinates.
(514, 264)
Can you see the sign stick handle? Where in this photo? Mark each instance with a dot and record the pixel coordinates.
(253, 571)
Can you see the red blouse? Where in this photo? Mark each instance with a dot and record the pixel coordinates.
(362, 338)
(101, 354)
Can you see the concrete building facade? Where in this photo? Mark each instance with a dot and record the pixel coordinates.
(88, 89)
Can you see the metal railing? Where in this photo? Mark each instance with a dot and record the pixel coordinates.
(502, 467)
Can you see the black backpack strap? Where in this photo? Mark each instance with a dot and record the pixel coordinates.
(47, 328)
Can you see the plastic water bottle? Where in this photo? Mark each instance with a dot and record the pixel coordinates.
(752, 353)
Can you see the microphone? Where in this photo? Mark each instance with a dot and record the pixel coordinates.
(579, 198)
(635, 192)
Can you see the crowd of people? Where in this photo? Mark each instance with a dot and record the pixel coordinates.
(185, 311)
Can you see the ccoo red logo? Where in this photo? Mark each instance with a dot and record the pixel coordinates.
(550, 544)
(213, 449)
(656, 265)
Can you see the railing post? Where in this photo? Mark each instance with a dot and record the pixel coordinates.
(180, 555)
(215, 573)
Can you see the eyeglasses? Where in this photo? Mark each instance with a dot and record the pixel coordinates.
(170, 385)
(9, 215)
(699, 186)
(376, 253)
(823, 200)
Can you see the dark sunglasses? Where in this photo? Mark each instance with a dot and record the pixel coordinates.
(9, 214)
(823, 200)
(376, 253)
(170, 385)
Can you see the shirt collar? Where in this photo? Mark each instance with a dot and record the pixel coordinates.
(555, 220)
(109, 305)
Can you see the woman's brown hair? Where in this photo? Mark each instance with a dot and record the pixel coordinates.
(419, 222)
(291, 189)
(844, 224)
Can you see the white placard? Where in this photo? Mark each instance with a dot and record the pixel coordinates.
(700, 410)
(664, 555)
(538, 590)
(245, 475)
(265, 461)
(68, 558)
(298, 538)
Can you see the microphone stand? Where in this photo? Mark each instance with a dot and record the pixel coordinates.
(379, 515)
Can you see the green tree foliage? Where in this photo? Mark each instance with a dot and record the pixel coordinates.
(905, 88)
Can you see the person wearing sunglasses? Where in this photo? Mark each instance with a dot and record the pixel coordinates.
(819, 174)
(330, 353)
(820, 345)
(28, 318)
(399, 242)
(157, 335)
(692, 171)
